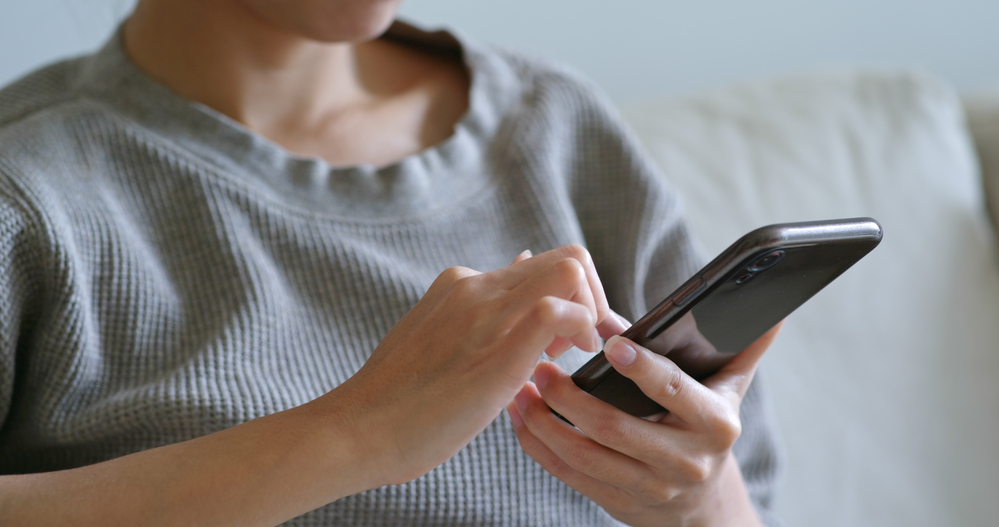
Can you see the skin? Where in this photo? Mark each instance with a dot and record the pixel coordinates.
(307, 75)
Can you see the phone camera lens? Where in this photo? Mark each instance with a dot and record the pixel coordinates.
(766, 261)
(744, 278)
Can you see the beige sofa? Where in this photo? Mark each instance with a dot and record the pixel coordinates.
(886, 384)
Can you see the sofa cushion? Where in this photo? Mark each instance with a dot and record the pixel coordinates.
(885, 383)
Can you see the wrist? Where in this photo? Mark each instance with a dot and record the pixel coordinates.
(728, 502)
(350, 442)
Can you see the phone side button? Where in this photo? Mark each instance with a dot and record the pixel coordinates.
(688, 292)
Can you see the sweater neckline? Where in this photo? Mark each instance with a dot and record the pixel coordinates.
(435, 177)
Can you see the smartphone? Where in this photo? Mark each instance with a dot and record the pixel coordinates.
(750, 287)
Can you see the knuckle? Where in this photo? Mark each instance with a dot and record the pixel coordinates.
(611, 430)
(656, 491)
(671, 385)
(580, 459)
(456, 281)
(452, 275)
(570, 270)
(578, 253)
(558, 467)
(726, 426)
(696, 469)
(546, 310)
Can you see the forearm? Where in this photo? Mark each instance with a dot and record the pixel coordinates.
(436, 380)
(259, 473)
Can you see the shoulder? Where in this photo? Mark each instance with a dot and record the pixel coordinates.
(38, 114)
(538, 86)
(47, 121)
(546, 111)
(559, 114)
(47, 124)
(42, 89)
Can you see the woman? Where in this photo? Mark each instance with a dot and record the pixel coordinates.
(223, 300)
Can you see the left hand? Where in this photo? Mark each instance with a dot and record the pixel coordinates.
(677, 470)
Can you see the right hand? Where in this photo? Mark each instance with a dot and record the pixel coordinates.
(451, 364)
(438, 378)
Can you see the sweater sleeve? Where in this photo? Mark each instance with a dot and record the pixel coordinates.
(633, 224)
(19, 265)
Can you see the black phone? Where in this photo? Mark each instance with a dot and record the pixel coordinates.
(750, 287)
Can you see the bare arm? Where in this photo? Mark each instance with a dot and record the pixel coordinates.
(259, 473)
(440, 376)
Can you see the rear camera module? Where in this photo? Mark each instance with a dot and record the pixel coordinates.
(766, 261)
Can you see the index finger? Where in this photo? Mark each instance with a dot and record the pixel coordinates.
(661, 380)
(511, 276)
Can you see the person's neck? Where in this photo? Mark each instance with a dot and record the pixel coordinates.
(373, 102)
(227, 58)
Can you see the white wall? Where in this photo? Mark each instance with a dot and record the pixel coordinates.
(634, 48)
(638, 48)
(34, 32)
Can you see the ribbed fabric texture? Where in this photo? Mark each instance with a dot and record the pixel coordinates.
(165, 273)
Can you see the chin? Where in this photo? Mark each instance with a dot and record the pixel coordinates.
(330, 20)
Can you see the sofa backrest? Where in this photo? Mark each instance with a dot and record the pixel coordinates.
(885, 383)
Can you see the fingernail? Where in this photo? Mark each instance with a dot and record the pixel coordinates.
(621, 352)
(624, 322)
(521, 399)
(526, 254)
(596, 340)
(515, 416)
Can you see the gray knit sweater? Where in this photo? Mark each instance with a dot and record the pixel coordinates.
(165, 273)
